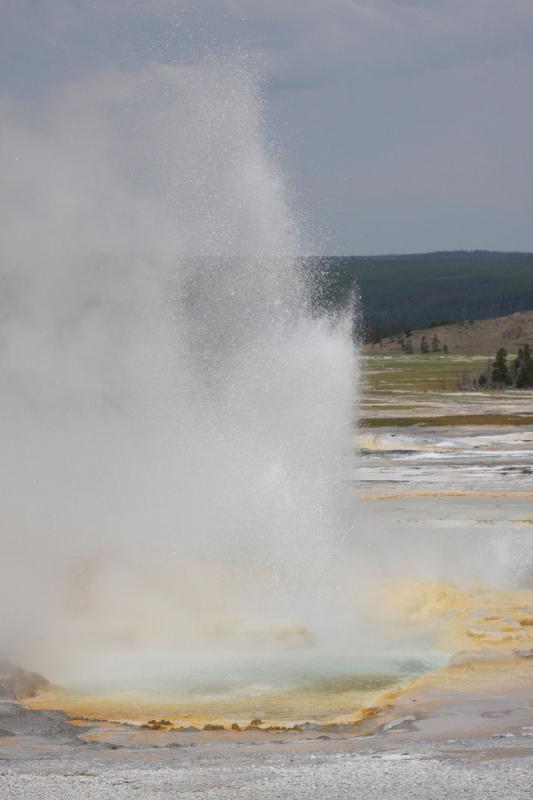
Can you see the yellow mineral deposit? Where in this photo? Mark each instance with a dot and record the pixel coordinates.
(461, 618)
(488, 634)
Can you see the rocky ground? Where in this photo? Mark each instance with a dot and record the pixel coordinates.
(428, 744)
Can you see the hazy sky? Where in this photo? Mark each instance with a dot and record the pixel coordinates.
(405, 125)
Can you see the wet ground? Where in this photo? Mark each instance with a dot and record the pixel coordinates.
(457, 459)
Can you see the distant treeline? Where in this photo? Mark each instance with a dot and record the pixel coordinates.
(499, 374)
(403, 292)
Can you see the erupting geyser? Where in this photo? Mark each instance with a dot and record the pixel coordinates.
(173, 414)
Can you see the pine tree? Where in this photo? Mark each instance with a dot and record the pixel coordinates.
(485, 379)
(500, 370)
(424, 346)
(435, 344)
(524, 368)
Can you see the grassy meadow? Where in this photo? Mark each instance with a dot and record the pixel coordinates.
(400, 390)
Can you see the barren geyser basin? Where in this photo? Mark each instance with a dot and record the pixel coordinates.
(194, 530)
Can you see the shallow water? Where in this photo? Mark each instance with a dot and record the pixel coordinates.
(277, 692)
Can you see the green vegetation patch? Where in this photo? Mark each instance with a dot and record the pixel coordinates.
(431, 372)
(448, 420)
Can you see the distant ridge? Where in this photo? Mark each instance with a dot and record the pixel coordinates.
(482, 336)
(445, 254)
(405, 291)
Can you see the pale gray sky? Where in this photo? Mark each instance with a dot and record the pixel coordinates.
(404, 125)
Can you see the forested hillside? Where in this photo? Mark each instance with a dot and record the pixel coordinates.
(401, 292)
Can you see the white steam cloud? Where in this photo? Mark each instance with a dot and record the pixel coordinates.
(173, 416)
